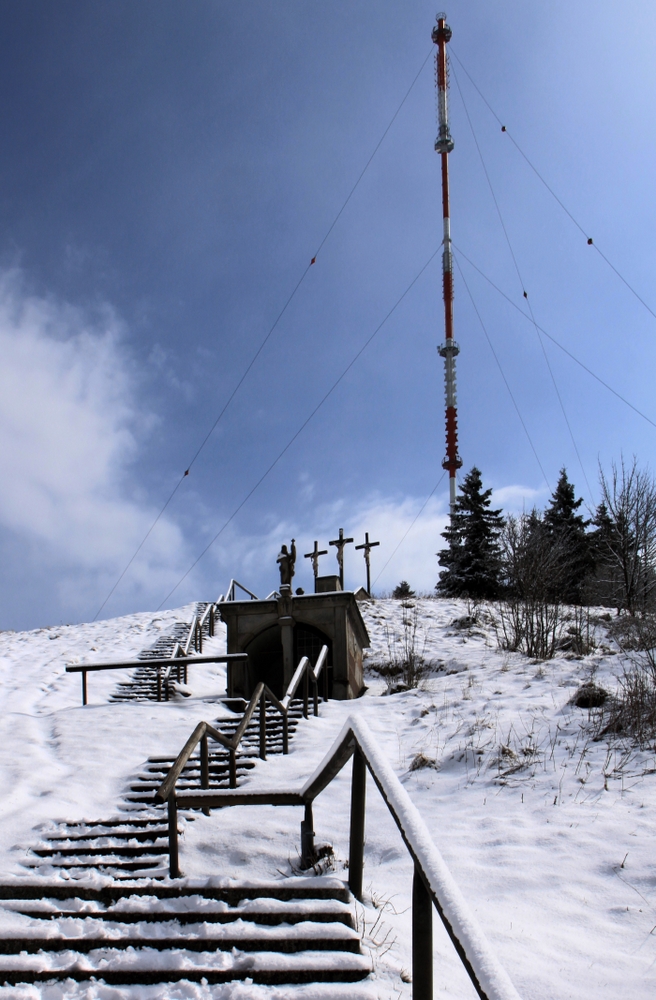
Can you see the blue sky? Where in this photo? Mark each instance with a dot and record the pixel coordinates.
(167, 170)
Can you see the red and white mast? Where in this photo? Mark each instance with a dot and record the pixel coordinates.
(449, 349)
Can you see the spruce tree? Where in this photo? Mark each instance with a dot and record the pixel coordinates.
(472, 559)
(566, 528)
(608, 543)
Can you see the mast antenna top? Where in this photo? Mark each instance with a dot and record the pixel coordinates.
(441, 29)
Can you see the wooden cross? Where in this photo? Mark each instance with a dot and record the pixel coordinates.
(314, 556)
(340, 543)
(368, 546)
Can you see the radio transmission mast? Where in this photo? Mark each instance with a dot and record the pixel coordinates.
(449, 349)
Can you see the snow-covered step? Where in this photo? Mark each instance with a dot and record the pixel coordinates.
(88, 934)
(105, 861)
(189, 909)
(115, 833)
(91, 848)
(146, 966)
(291, 931)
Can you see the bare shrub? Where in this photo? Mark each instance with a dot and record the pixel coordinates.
(626, 537)
(632, 713)
(579, 635)
(531, 620)
(529, 626)
(406, 662)
(636, 636)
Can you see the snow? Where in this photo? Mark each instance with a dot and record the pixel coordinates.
(545, 836)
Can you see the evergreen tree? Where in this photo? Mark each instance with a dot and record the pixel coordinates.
(403, 591)
(567, 530)
(608, 543)
(472, 559)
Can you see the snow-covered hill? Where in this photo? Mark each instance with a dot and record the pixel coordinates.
(549, 834)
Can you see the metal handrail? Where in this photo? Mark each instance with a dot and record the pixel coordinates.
(204, 729)
(230, 593)
(433, 885)
(191, 636)
(167, 661)
(167, 791)
(304, 671)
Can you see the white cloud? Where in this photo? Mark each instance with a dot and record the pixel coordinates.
(67, 437)
(252, 559)
(515, 499)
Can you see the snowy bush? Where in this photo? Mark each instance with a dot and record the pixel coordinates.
(405, 664)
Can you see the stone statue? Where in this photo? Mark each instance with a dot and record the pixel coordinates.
(286, 561)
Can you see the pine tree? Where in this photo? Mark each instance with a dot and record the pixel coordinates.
(403, 591)
(472, 559)
(567, 530)
(607, 547)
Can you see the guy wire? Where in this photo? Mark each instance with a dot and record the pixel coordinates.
(521, 281)
(554, 341)
(264, 342)
(303, 425)
(503, 376)
(551, 191)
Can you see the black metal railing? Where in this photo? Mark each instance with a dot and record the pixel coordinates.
(163, 666)
(433, 886)
(167, 792)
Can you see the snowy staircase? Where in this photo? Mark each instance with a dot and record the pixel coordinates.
(123, 847)
(149, 780)
(142, 685)
(290, 931)
(134, 843)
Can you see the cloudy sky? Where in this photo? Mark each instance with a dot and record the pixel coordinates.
(167, 171)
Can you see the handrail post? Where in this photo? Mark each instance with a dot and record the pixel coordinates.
(174, 869)
(422, 939)
(307, 838)
(159, 683)
(211, 628)
(325, 680)
(204, 768)
(358, 803)
(285, 733)
(233, 768)
(306, 681)
(263, 751)
(315, 692)
(204, 763)
(84, 687)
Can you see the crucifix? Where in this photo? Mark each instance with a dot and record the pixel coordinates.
(368, 546)
(340, 543)
(314, 556)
